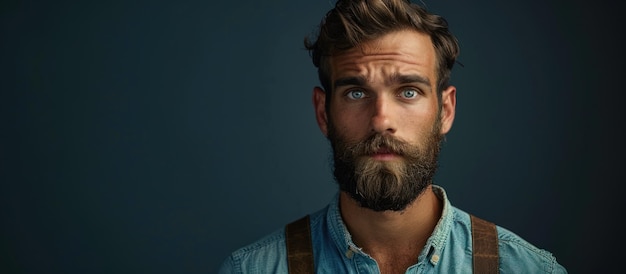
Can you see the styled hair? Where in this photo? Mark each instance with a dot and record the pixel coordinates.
(353, 22)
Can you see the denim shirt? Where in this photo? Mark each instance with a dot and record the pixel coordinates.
(448, 250)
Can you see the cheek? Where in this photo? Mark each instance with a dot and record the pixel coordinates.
(419, 126)
(348, 124)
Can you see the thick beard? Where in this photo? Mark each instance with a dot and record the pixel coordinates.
(385, 185)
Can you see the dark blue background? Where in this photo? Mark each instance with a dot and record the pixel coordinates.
(159, 136)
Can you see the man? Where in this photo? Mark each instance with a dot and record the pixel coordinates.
(385, 105)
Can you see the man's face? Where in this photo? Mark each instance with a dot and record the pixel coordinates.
(384, 120)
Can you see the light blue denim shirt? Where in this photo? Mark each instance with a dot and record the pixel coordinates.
(448, 250)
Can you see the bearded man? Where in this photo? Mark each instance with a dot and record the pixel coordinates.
(385, 104)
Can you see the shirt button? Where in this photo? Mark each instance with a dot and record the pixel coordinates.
(434, 259)
(349, 253)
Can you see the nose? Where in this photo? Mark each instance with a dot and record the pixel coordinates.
(382, 121)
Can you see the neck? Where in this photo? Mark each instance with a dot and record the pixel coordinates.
(383, 232)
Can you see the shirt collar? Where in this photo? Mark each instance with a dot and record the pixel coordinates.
(434, 245)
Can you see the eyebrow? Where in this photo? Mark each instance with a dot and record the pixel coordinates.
(408, 79)
(394, 79)
(350, 81)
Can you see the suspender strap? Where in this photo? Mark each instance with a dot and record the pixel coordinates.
(484, 246)
(299, 247)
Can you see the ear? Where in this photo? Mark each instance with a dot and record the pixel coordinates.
(319, 104)
(448, 108)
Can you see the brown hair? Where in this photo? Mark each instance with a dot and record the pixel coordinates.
(353, 22)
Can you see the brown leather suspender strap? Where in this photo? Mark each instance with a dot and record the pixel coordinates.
(484, 246)
(299, 246)
(300, 249)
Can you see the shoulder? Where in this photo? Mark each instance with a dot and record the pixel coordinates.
(516, 254)
(266, 255)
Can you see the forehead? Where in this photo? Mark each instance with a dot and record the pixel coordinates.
(403, 52)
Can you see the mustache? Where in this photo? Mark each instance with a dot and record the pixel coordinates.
(377, 142)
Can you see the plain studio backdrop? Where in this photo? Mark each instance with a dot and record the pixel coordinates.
(159, 136)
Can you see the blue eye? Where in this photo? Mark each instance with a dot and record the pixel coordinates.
(409, 93)
(356, 94)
